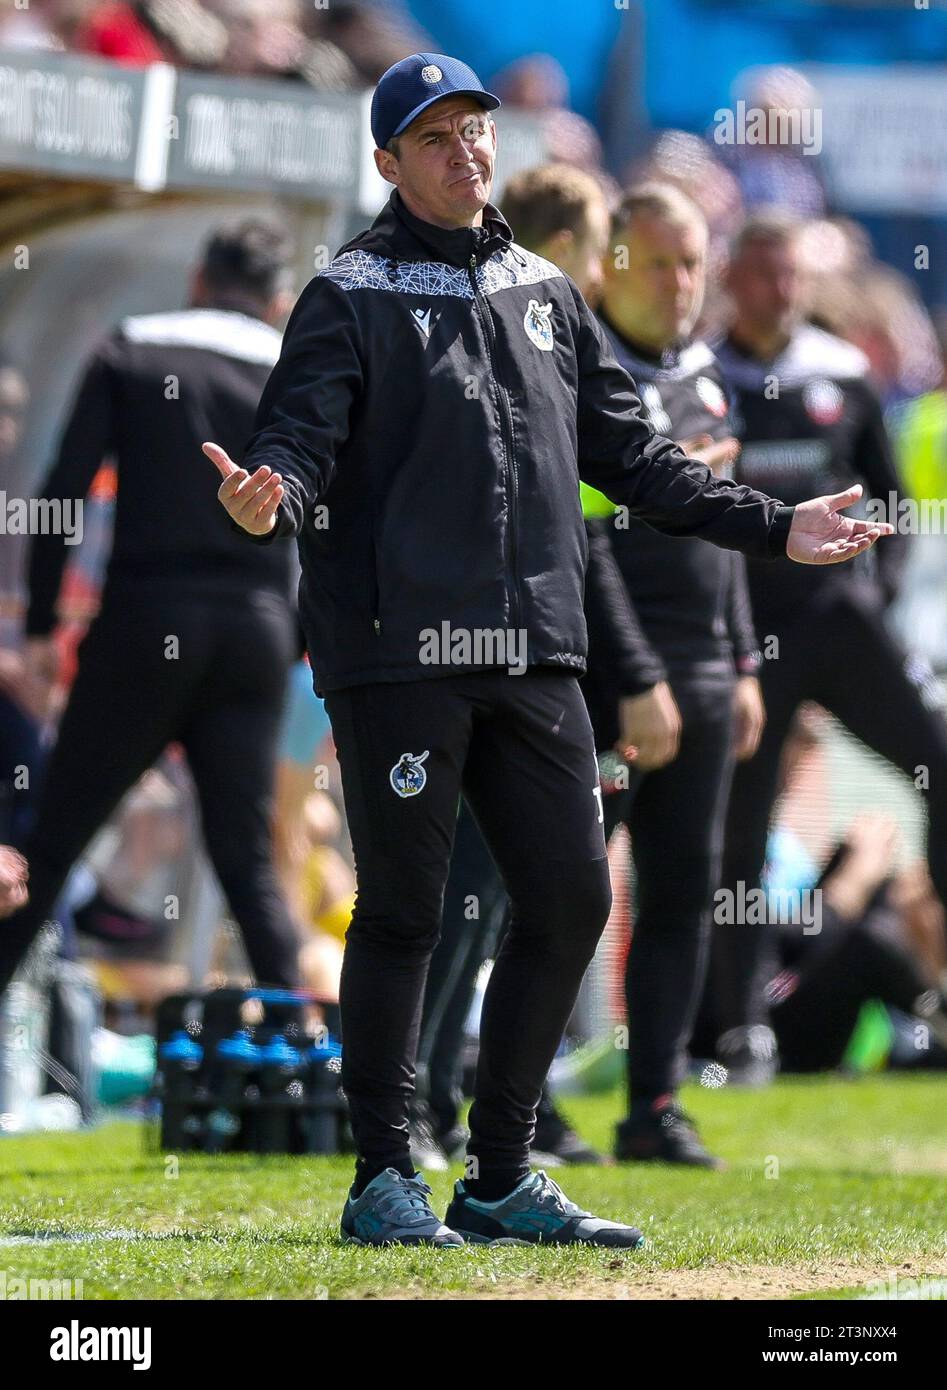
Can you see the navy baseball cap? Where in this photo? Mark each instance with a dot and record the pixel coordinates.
(409, 87)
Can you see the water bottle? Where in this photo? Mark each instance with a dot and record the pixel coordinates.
(178, 1060)
(321, 1126)
(237, 1059)
(280, 1068)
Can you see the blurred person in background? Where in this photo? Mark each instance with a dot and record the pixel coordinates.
(560, 212)
(779, 169)
(326, 898)
(119, 30)
(115, 898)
(372, 35)
(46, 24)
(684, 691)
(874, 934)
(194, 636)
(874, 943)
(871, 305)
(263, 36)
(24, 700)
(14, 404)
(920, 430)
(270, 40)
(685, 161)
(305, 738)
(808, 418)
(538, 83)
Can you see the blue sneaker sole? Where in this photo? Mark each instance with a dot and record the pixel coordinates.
(473, 1238)
(387, 1244)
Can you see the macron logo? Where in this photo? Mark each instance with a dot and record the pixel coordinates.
(422, 318)
(75, 1343)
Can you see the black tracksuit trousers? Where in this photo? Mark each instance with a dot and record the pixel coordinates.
(675, 816)
(520, 748)
(475, 911)
(839, 653)
(221, 697)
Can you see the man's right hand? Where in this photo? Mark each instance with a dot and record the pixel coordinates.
(251, 500)
(650, 728)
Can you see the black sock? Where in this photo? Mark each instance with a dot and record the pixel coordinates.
(495, 1183)
(366, 1172)
(643, 1106)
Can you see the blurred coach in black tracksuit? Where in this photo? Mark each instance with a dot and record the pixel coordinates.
(196, 630)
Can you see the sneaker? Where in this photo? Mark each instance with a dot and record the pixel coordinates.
(749, 1055)
(537, 1211)
(664, 1135)
(424, 1148)
(555, 1143)
(394, 1210)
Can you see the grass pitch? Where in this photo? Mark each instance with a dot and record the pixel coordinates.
(833, 1186)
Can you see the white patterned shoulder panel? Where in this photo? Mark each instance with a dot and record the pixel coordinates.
(362, 270)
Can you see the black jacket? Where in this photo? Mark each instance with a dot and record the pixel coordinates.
(151, 392)
(658, 607)
(437, 397)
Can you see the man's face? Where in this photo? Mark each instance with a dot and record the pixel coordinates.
(581, 257)
(766, 283)
(655, 277)
(444, 169)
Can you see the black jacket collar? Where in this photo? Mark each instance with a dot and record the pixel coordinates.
(666, 359)
(398, 235)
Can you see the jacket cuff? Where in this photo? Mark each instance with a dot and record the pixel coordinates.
(748, 663)
(631, 683)
(266, 539)
(779, 531)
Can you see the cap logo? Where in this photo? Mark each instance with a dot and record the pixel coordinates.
(431, 73)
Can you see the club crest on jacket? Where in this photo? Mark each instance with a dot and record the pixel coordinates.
(538, 326)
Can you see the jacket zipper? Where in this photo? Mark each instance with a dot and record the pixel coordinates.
(506, 426)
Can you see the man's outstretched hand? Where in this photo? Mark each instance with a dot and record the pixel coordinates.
(251, 500)
(819, 535)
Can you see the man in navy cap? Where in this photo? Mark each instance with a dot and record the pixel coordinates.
(439, 394)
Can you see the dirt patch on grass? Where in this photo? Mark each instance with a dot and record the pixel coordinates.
(746, 1282)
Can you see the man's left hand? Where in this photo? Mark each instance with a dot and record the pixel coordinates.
(749, 716)
(819, 535)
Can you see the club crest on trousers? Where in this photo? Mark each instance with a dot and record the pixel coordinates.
(408, 777)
